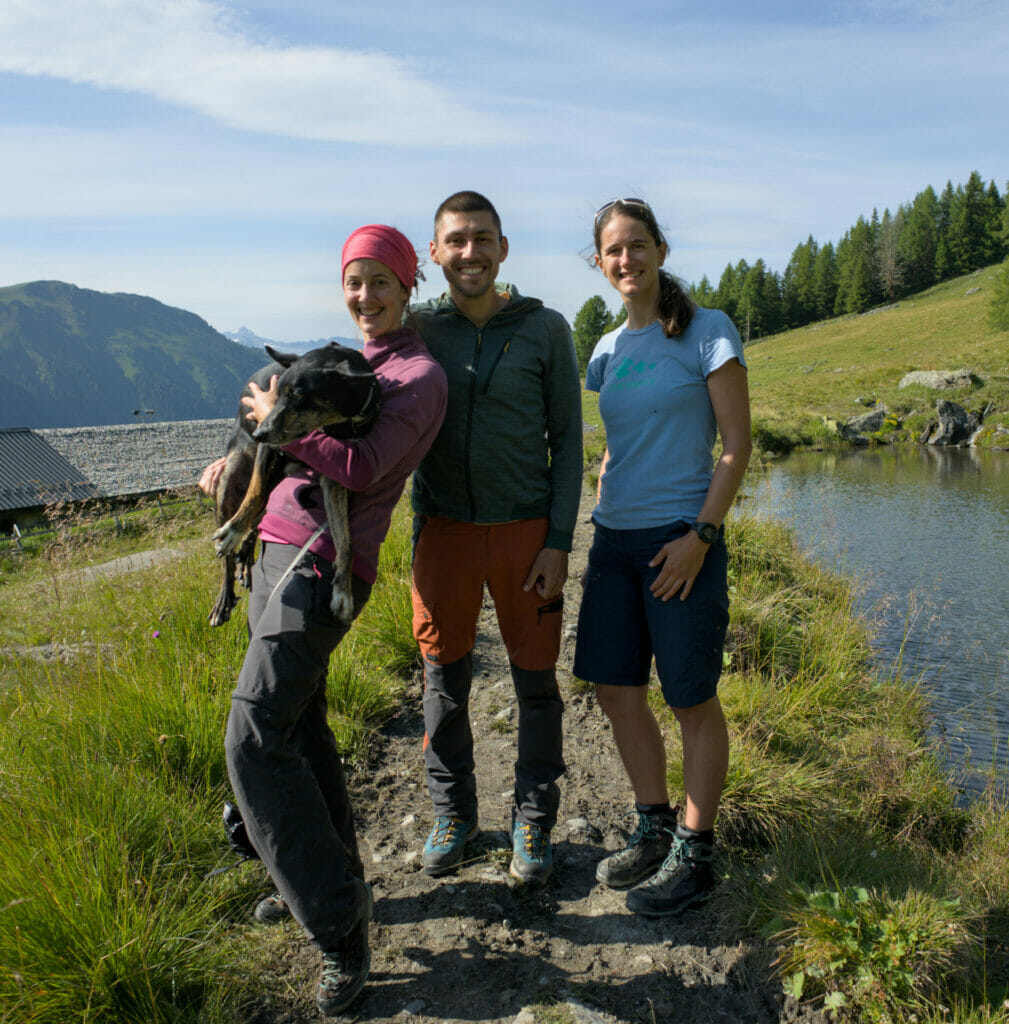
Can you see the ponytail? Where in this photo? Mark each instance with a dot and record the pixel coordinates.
(676, 307)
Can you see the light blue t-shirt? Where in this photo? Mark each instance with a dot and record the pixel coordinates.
(660, 426)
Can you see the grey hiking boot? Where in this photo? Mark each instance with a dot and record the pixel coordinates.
(345, 968)
(645, 851)
(446, 844)
(685, 878)
(272, 910)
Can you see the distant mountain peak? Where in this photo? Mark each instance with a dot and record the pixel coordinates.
(252, 340)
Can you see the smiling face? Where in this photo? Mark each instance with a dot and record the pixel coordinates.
(469, 249)
(630, 258)
(375, 297)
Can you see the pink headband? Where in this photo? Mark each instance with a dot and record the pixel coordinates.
(385, 244)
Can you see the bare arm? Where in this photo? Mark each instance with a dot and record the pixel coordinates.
(681, 559)
(602, 470)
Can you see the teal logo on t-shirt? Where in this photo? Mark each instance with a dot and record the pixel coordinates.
(623, 379)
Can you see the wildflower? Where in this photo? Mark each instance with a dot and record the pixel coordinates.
(156, 634)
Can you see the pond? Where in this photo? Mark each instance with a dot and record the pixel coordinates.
(924, 532)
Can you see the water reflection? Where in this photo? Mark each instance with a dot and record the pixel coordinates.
(925, 532)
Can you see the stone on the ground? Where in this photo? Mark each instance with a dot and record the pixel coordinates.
(938, 380)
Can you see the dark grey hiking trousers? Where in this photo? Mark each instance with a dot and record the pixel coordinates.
(282, 759)
(448, 751)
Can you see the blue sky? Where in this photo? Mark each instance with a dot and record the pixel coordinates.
(215, 155)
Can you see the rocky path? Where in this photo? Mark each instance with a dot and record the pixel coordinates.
(474, 946)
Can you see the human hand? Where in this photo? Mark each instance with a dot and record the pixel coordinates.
(548, 573)
(211, 475)
(260, 403)
(681, 560)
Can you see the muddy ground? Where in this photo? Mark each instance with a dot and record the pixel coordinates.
(476, 947)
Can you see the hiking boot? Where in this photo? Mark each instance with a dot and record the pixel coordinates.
(533, 859)
(272, 910)
(643, 855)
(345, 968)
(685, 878)
(447, 843)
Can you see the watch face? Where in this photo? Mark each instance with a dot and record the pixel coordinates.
(708, 532)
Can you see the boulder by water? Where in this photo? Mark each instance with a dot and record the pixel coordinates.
(954, 428)
(869, 422)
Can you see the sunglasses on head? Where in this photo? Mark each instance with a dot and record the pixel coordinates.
(623, 202)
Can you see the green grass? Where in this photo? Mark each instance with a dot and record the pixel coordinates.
(802, 379)
(113, 778)
(79, 535)
(843, 848)
(843, 841)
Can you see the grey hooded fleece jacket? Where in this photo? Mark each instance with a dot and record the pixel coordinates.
(511, 443)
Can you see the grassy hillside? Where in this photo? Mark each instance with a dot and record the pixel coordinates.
(75, 357)
(801, 379)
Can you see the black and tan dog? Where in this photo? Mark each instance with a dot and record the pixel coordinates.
(331, 388)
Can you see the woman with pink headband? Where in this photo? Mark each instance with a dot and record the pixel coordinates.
(282, 757)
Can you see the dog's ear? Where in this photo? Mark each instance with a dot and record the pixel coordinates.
(284, 358)
(344, 369)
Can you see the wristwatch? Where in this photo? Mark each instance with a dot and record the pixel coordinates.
(708, 532)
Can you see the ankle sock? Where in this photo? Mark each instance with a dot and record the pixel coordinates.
(702, 844)
(662, 810)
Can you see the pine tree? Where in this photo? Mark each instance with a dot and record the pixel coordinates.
(917, 245)
(798, 301)
(969, 226)
(889, 268)
(592, 321)
(759, 302)
(996, 246)
(857, 287)
(729, 286)
(1005, 218)
(703, 294)
(945, 257)
(773, 313)
(824, 282)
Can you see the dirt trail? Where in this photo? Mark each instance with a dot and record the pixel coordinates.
(475, 947)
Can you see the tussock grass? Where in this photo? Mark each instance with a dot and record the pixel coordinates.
(112, 778)
(843, 838)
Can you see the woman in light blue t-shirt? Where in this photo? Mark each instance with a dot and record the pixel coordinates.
(669, 379)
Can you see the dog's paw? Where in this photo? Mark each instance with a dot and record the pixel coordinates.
(341, 604)
(220, 614)
(226, 540)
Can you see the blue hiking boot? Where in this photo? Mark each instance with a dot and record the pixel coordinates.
(446, 844)
(532, 859)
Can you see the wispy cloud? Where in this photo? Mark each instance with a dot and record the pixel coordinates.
(195, 54)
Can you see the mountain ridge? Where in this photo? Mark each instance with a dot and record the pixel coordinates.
(77, 357)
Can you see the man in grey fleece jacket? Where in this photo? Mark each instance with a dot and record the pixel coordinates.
(495, 502)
